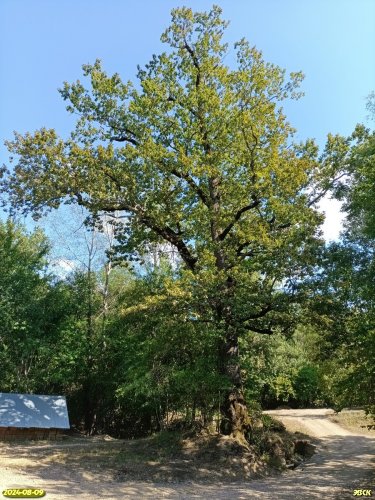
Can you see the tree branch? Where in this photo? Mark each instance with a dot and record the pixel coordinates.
(113, 179)
(241, 247)
(165, 232)
(195, 62)
(237, 218)
(192, 184)
(265, 331)
(266, 309)
(124, 138)
(172, 237)
(125, 135)
(325, 191)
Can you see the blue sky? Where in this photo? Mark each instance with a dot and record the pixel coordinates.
(45, 42)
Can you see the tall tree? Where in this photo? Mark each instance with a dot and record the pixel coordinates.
(347, 291)
(24, 294)
(199, 155)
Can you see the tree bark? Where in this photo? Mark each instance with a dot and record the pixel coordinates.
(89, 407)
(235, 417)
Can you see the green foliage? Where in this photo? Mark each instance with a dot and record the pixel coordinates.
(169, 363)
(344, 301)
(24, 299)
(200, 156)
(358, 189)
(285, 369)
(306, 385)
(348, 351)
(271, 424)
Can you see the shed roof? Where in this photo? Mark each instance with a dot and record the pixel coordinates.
(33, 410)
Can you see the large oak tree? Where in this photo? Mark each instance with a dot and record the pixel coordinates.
(197, 154)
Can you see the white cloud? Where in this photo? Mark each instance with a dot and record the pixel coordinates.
(333, 223)
(63, 267)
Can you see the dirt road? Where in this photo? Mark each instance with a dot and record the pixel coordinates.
(344, 461)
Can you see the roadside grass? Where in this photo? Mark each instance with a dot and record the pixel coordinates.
(354, 421)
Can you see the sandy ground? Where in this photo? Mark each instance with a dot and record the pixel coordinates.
(344, 461)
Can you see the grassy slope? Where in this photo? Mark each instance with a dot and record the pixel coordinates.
(168, 456)
(354, 421)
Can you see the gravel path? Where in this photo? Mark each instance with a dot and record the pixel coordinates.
(344, 461)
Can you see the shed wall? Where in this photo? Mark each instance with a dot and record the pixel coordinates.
(16, 433)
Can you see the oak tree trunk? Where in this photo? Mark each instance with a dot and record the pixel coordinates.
(235, 416)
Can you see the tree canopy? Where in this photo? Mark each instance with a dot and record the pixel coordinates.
(198, 154)
(346, 284)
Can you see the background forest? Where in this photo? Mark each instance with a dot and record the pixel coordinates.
(213, 288)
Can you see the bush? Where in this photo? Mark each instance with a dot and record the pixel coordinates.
(306, 385)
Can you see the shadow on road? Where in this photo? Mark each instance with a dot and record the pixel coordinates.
(341, 464)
